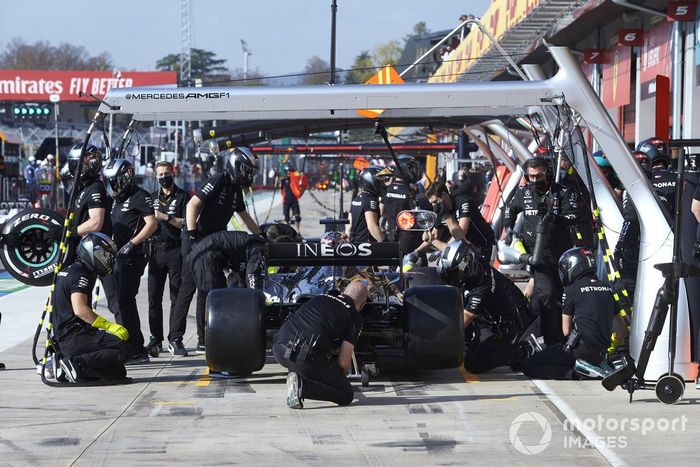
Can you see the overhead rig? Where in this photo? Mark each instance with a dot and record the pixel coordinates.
(563, 105)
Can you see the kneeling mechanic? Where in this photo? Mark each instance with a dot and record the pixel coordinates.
(497, 320)
(588, 311)
(92, 348)
(320, 326)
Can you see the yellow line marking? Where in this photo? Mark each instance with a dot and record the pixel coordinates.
(205, 380)
(468, 377)
(174, 402)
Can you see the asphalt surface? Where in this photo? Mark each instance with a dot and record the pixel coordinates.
(174, 412)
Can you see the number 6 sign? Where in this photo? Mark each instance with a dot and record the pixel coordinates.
(631, 37)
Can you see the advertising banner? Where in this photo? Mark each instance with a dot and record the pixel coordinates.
(656, 57)
(617, 77)
(38, 85)
(498, 19)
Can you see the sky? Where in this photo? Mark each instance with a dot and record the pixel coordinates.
(282, 34)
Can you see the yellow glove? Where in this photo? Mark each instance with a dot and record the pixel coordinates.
(112, 328)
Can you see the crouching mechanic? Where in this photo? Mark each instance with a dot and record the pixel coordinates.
(496, 315)
(323, 324)
(92, 347)
(588, 311)
(219, 251)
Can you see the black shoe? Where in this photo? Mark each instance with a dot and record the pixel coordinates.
(201, 349)
(177, 348)
(139, 359)
(70, 370)
(154, 347)
(294, 398)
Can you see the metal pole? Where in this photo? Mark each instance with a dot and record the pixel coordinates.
(596, 83)
(342, 177)
(57, 156)
(109, 137)
(245, 65)
(334, 11)
(677, 92)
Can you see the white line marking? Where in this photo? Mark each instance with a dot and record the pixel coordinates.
(593, 438)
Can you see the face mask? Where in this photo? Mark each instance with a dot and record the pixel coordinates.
(441, 211)
(540, 185)
(166, 181)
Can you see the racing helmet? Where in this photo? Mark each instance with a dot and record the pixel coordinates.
(410, 168)
(334, 239)
(643, 161)
(371, 180)
(657, 149)
(92, 164)
(119, 175)
(97, 252)
(575, 263)
(459, 263)
(280, 233)
(243, 166)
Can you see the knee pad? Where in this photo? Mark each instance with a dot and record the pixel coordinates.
(297, 218)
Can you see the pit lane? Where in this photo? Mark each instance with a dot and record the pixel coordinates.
(175, 412)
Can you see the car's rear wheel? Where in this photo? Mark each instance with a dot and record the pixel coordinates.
(434, 334)
(235, 335)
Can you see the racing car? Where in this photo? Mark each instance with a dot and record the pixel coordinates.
(411, 312)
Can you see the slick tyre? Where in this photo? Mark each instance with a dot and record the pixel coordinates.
(434, 327)
(235, 333)
(424, 276)
(27, 253)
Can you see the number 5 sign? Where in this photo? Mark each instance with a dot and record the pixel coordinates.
(681, 10)
(631, 37)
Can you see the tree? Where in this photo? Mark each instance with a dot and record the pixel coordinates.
(388, 53)
(254, 78)
(362, 69)
(316, 71)
(41, 55)
(420, 28)
(202, 63)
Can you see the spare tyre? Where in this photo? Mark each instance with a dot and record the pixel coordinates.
(235, 335)
(27, 253)
(434, 327)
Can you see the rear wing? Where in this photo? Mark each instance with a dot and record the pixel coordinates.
(344, 254)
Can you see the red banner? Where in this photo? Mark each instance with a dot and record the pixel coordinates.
(656, 57)
(631, 37)
(681, 10)
(38, 85)
(594, 56)
(617, 78)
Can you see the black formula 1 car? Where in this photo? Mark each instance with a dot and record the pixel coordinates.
(405, 311)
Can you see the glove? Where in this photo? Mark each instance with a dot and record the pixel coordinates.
(126, 249)
(696, 252)
(114, 329)
(509, 236)
(193, 235)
